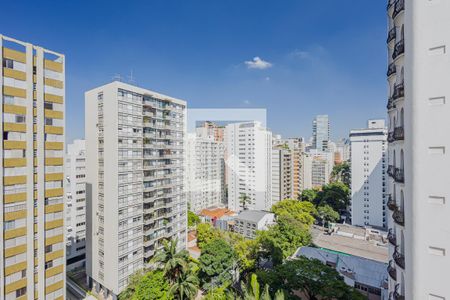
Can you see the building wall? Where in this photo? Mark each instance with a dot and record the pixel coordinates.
(136, 158)
(418, 110)
(75, 198)
(282, 174)
(249, 165)
(204, 172)
(321, 132)
(368, 169)
(32, 89)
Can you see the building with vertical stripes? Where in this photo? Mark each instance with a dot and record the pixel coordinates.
(32, 87)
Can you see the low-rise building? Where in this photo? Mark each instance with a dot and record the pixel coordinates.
(368, 276)
(248, 221)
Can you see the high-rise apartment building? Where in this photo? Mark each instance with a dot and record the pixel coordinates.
(135, 159)
(204, 171)
(249, 166)
(321, 132)
(32, 87)
(297, 148)
(368, 169)
(211, 129)
(317, 167)
(282, 169)
(75, 201)
(419, 163)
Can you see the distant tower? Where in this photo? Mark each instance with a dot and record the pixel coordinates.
(321, 132)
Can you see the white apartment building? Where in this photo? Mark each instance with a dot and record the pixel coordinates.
(419, 162)
(32, 242)
(368, 169)
(249, 221)
(282, 173)
(204, 171)
(249, 166)
(75, 198)
(135, 160)
(317, 167)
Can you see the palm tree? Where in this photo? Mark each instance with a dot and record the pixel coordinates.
(244, 200)
(253, 292)
(185, 286)
(174, 263)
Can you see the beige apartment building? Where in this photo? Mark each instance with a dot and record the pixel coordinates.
(32, 260)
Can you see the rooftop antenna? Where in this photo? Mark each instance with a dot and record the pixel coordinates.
(117, 77)
(131, 78)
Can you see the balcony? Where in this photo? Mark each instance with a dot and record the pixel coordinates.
(399, 49)
(390, 104)
(398, 8)
(399, 175)
(391, 270)
(399, 91)
(390, 137)
(392, 238)
(391, 203)
(399, 258)
(399, 133)
(391, 170)
(391, 35)
(396, 294)
(391, 69)
(399, 216)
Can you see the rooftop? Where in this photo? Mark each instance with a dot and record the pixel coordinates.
(352, 240)
(216, 213)
(366, 271)
(252, 215)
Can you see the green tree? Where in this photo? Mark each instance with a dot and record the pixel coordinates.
(244, 200)
(246, 251)
(152, 286)
(216, 263)
(218, 293)
(185, 286)
(283, 239)
(253, 291)
(193, 219)
(173, 263)
(206, 233)
(314, 279)
(302, 211)
(132, 285)
(308, 195)
(335, 194)
(327, 214)
(342, 173)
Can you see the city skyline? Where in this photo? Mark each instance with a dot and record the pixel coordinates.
(309, 54)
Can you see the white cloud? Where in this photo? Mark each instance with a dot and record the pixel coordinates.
(258, 63)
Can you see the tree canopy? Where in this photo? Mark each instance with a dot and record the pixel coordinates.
(216, 263)
(193, 219)
(152, 286)
(342, 173)
(300, 210)
(311, 277)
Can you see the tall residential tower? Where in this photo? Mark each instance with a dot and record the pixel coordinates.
(368, 169)
(419, 142)
(135, 157)
(321, 132)
(32, 89)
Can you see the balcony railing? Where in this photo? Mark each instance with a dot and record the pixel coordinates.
(399, 91)
(390, 103)
(399, 258)
(391, 34)
(399, 175)
(398, 8)
(399, 49)
(396, 294)
(391, 270)
(391, 203)
(391, 69)
(399, 133)
(391, 170)
(392, 238)
(390, 137)
(399, 216)
(390, 3)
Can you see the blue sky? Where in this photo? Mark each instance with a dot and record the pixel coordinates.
(316, 57)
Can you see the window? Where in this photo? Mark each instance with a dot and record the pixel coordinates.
(8, 63)
(21, 292)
